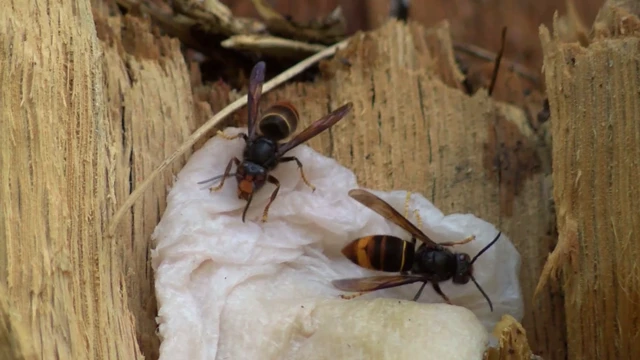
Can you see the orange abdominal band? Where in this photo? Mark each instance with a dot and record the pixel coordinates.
(361, 253)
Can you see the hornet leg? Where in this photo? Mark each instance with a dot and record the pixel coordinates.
(436, 287)
(275, 182)
(304, 178)
(227, 137)
(234, 160)
(406, 212)
(415, 298)
(452, 243)
(352, 296)
(406, 204)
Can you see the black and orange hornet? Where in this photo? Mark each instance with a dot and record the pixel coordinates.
(263, 151)
(431, 262)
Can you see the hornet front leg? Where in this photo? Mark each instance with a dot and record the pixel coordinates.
(233, 160)
(275, 182)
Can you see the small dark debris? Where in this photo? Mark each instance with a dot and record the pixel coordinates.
(545, 113)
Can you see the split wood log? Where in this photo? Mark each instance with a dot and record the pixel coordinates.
(595, 116)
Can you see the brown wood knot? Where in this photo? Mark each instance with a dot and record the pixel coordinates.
(511, 158)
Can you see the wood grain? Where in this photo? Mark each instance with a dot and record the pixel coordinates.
(593, 94)
(65, 284)
(151, 111)
(89, 108)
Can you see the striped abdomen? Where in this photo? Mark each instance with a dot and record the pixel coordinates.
(381, 252)
(279, 121)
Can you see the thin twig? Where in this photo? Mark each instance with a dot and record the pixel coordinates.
(496, 66)
(489, 56)
(215, 120)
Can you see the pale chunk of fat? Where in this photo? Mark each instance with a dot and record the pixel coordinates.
(233, 290)
(390, 329)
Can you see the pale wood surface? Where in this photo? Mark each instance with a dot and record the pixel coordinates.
(65, 286)
(88, 110)
(593, 93)
(151, 110)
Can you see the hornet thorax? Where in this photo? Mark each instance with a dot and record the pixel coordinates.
(262, 152)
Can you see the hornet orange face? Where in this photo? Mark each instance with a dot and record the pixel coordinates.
(250, 177)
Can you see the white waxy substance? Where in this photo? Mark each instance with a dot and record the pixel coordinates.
(233, 290)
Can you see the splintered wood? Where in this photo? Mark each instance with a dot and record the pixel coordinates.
(64, 282)
(595, 113)
(151, 111)
(412, 128)
(15, 342)
(512, 341)
(88, 112)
